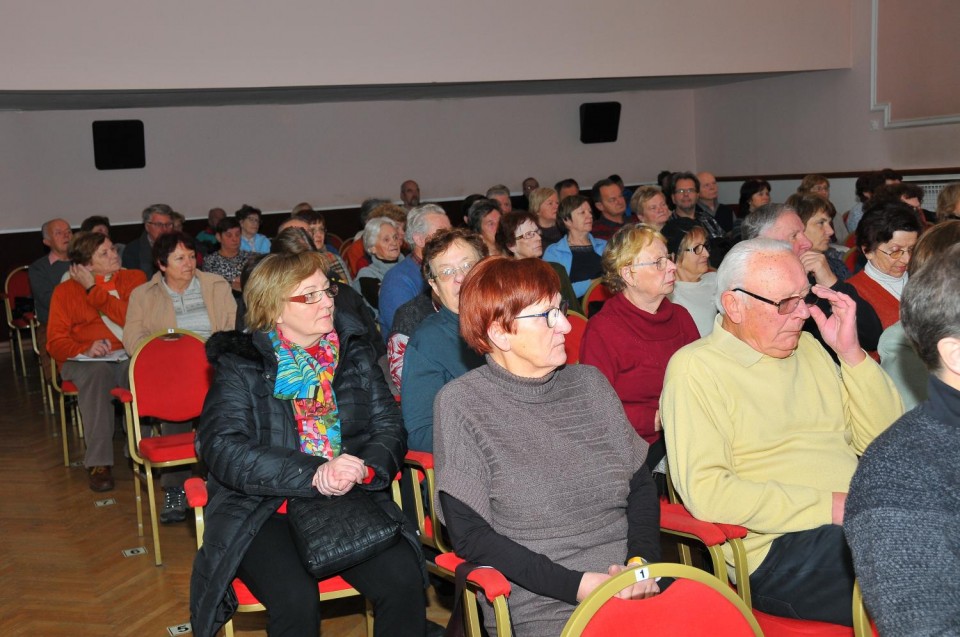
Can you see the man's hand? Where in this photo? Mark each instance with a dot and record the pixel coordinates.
(816, 264)
(839, 331)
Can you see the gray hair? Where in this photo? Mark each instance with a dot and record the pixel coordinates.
(371, 231)
(732, 272)
(417, 220)
(368, 205)
(499, 189)
(45, 228)
(760, 220)
(158, 209)
(930, 306)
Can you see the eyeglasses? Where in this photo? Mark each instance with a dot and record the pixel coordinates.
(661, 263)
(166, 225)
(787, 305)
(530, 234)
(552, 315)
(897, 253)
(685, 191)
(316, 296)
(697, 249)
(449, 272)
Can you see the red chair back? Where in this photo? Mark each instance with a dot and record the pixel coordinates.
(597, 294)
(578, 325)
(333, 240)
(170, 376)
(18, 284)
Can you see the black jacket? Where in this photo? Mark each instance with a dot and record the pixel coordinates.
(248, 440)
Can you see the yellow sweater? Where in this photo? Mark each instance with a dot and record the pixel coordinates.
(764, 442)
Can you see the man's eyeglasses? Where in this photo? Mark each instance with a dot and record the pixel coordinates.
(449, 272)
(166, 225)
(552, 315)
(697, 249)
(685, 191)
(316, 296)
(661, 263)
(787, 305)
(897, 253)
(530, 234)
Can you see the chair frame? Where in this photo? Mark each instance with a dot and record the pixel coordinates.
(596, 283)
(56, 385)
(418, 462)
(16, 331)
(578, 316)
(480, 581)
(135, 435)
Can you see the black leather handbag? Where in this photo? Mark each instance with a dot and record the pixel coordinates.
(335, 533)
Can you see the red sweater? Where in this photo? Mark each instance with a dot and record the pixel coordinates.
(632, 347)
(884, 304)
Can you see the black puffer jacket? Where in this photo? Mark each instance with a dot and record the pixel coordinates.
(248, 440)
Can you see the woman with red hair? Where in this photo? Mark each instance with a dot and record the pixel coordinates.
(539, 473)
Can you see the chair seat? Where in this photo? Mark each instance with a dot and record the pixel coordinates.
(168, 448)
(67, 387)
(21, 323)
(330, 585)
(774, 626)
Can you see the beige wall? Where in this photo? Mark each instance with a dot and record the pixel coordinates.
(134, 44)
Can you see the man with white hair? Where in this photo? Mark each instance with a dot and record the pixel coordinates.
(501, 194)
(764, 430)
(404, 281)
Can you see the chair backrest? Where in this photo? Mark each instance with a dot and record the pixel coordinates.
(578, 325)
(597, 294)
(15, 286)
(696, 604)
(170, 376)
(334, 240)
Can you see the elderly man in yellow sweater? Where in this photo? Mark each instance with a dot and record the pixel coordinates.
(764, 430)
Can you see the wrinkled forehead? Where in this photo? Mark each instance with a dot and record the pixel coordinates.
(776, 274)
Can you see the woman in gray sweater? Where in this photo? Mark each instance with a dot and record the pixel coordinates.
(539, 473)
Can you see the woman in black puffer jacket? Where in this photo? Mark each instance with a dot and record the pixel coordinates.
(298, 406)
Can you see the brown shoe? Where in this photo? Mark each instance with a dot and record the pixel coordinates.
(100, 479)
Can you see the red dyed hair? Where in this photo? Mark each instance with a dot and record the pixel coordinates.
(496, 290)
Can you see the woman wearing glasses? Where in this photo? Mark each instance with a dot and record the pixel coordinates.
(633, 337)
(539, 473)
(298, 406)
(521, 237)
(885, 236)
(436, 353)
(696, 286)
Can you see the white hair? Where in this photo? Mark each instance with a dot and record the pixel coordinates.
(417, 220)
(371, 231)
(732, 272)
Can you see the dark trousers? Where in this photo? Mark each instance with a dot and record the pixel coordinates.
(807, 575)
(391, 581)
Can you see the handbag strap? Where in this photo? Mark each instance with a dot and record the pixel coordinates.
(455, 627)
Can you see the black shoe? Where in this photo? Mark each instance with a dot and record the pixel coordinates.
(174, 505)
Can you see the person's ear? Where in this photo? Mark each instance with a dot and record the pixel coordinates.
(499, 337)
(433, 286)
(733, 306)
(949, 350)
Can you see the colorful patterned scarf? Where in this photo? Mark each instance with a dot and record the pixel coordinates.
(306, 378)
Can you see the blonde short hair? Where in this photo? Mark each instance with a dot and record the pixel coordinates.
(538, 196)
(272, 281)
(641, 196)
(622, 249)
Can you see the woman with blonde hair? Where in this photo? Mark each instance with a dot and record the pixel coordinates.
(650, 206)
(544, 203)
(631, 339)
(948, 203)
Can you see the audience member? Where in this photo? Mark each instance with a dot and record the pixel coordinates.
(436, 353)
(650, 206)
(566, 188)
(686, 193)
(578, 251)
(864, 188)
(178, 221)
(101, 224)
(229, 259)
(483, 217)
(709, 202)
(817, 213)
(250, 238)
(500, 194)
(626, 192)
(763, 431)
(315, 224)
(405, 281)
(157, 219)
(948, 203)
(381, 240)
(410, 194)
(910, 194)
(544, 203)
(886, 236)
(405, 321)
(356, 256)
(637, 331)
(529, 185)
(608, 197)
(901, 512)
(754, 193)
(897, 356)
(525, 413)
(696, 286)
(208, 236)
(87, 315)
(46, 272)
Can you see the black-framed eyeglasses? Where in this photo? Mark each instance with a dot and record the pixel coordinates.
(449, 272)
(552, 315)
(166, 225)
(897, 253)
(530, 234)
(787, 305)
(697, 249)
(316, 296)
(661, 263)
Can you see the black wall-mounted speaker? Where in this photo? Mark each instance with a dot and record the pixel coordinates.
(118, 144)
(599, 122)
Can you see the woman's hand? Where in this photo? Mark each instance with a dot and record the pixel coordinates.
(82, 275)
(338, 476)
(641, 590)
(98, 349)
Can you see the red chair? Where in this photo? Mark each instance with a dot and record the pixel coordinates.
(418, 466)
(578, 325)
(596, 293)
(169, 379)
(331, 588)
(65, 389)
(17, 286)
(484, 580)
(696, 604)
(334, 240)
